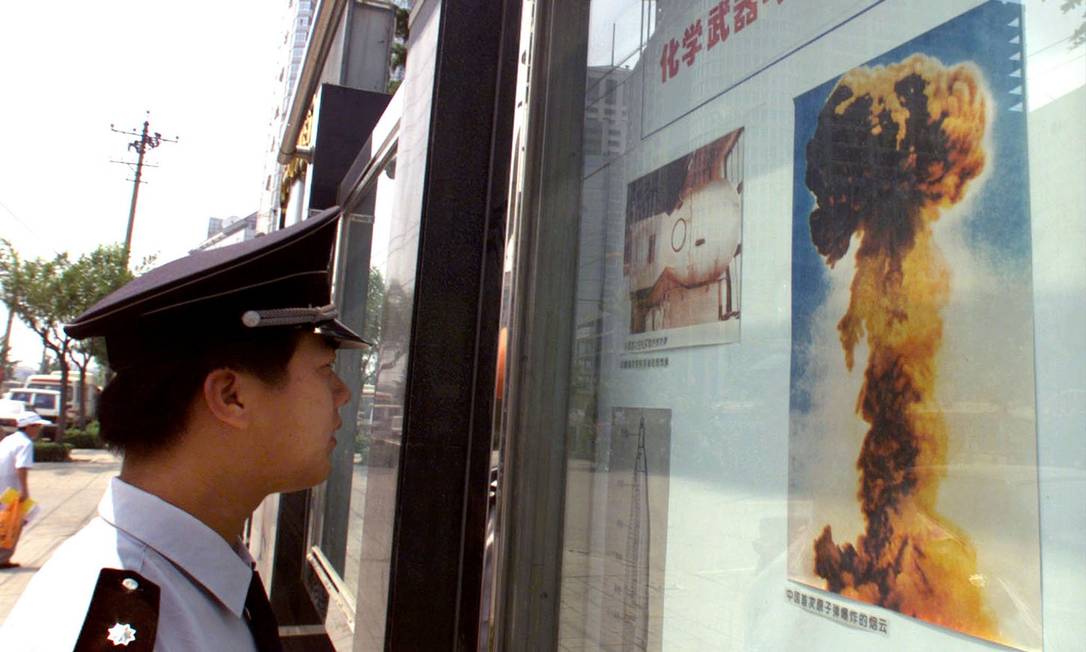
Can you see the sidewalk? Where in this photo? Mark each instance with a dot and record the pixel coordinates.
(67, 495)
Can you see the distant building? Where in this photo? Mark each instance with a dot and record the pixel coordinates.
(297, 21)
(351, 41)
(214, 225)
(222, 232)
(606, 114)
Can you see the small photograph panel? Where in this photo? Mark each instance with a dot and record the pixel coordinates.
(683, 246)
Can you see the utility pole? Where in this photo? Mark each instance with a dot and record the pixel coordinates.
(146, 140)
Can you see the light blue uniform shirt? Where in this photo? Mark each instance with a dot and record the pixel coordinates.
(203, 579)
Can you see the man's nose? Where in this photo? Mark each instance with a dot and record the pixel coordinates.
(341, 391)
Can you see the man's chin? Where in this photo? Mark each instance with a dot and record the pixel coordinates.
(310, 480)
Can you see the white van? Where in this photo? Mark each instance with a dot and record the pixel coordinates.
(52, 381)
(45, 402)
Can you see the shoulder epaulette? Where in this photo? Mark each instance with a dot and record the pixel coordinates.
(123, 614)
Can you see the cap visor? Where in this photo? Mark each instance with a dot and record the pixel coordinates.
(344, 337)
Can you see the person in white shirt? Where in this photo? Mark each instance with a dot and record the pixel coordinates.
(224, 393)
(16, 458)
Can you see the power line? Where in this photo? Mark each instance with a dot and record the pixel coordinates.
(23, 223)
(18, 219)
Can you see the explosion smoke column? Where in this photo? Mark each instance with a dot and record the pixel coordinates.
(894, 147)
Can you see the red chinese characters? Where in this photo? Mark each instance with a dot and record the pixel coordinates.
(718, 23)
(692, 42)
(746, 12)
(743, 14)
(669, 64)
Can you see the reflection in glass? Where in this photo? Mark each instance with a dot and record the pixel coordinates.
(695, 498)
(371, 404)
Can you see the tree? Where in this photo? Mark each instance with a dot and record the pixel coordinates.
(54, 292)
(1078, 38)
(81, 354)
(44, 306)
(92, 277)
(10, 293)
(397, 62)
(375, 300)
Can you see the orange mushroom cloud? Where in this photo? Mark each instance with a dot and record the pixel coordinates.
(895, 146)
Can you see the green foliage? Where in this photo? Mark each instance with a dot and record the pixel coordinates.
(397, 62)
(94, 276)
(398, 56)
(47, 451)
(82, 439)
(362, 443)
(10, 293)
(47, 293)
(44, 305)
(375, 303)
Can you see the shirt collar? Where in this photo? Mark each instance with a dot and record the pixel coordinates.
(224, 570)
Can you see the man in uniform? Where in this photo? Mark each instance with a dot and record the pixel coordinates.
(16, 458)
(224, 393)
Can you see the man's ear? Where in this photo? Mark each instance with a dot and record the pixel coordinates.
(224, 397)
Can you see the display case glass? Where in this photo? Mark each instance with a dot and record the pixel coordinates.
(828, 376)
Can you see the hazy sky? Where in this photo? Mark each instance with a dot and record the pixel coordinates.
(205, 70)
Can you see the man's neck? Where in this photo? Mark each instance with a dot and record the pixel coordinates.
(207, 492)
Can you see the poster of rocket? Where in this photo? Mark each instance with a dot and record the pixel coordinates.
(635, 529)
(912, 443)
(683, 245)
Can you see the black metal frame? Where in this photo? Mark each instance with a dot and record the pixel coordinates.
(441, 500)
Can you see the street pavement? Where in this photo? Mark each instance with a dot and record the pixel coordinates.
(67, 494)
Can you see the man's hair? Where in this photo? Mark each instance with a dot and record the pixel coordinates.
(145, 407)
